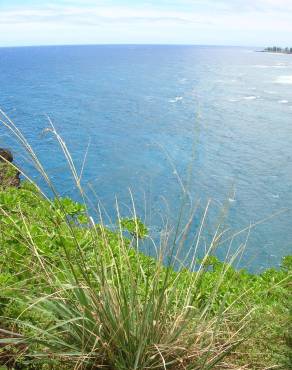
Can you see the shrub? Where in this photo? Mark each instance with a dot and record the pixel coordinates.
(75, 294)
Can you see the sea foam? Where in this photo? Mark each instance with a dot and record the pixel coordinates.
(176, 99)
(280, 65)
(284, 80)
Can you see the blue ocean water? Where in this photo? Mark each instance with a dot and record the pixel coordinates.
(215, 120)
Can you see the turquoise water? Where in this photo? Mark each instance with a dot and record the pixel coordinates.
(149, 113)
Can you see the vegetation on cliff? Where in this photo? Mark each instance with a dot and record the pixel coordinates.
(75, 294)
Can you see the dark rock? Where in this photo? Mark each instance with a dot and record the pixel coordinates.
(9, 175)
(5, 154)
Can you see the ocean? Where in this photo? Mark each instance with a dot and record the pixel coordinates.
(154, 121)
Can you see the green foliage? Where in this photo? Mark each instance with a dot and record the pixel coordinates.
(135, 227)
(79, 293)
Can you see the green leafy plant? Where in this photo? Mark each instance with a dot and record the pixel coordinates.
(74, 294)
(135, 227)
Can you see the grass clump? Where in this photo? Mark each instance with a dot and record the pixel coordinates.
(75, 294)
(81, 295)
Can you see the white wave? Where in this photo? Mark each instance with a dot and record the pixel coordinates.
(284, 80)
(275, 196)
(176, 99)
(252, 97)
(278, 65)
(260, 66)
(227, 81)
(283, 101)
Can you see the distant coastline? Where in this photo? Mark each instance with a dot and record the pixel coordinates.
(277, 50)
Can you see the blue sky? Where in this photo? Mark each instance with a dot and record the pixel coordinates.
(215, 22)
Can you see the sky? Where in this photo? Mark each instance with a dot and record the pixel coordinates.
(208, 22)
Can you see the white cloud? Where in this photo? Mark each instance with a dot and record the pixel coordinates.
(92, 15)
(258, 22)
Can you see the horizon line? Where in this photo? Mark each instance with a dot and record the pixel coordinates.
(128, 44)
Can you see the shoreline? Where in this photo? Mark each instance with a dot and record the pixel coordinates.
(273, 52)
